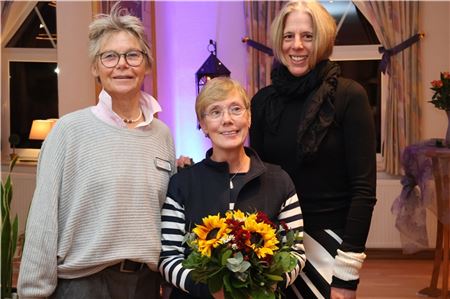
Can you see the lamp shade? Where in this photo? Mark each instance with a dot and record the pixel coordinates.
(40, 128)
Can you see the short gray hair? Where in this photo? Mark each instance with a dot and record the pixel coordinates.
(118, 20)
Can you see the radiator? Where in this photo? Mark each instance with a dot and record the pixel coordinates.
(383, 233)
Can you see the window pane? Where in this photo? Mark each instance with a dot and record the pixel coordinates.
(355, 29)
(31, 33)
(33, 95)
(366, 73)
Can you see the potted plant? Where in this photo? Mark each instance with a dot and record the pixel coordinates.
(441, 98)
(10, 228)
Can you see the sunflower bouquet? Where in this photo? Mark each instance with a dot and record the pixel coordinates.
(245, 254)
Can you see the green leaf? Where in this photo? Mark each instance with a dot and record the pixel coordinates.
(13, 163)
(194, 260)
(238, 268)
(6, 237)
(263, 293)
(227, 283)
(283, 261)
(226, 255)
(237, 263)
(7, 195)
(242, 279)
(273, 277)
(9, 234)
(237, 294)
(15, 229)
(215, 282)
(3, 206)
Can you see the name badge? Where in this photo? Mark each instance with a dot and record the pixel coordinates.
(163, 164)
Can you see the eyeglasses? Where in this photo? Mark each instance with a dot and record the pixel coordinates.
(111, 58)
(217, 112)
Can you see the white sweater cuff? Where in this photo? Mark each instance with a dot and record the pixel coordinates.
(348, 264)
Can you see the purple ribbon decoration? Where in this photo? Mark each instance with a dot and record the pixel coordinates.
(387, 53)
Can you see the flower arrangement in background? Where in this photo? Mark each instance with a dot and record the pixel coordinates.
(441, 88)
(245, 254)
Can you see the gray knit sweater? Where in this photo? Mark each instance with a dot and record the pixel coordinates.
(98, 197)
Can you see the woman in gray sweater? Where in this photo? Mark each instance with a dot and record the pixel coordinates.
(93, 230)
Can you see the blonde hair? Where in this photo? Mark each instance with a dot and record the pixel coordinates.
(118, 20)
(324, 30)
(217, 90)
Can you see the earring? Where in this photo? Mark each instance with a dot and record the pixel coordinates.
(206, 135)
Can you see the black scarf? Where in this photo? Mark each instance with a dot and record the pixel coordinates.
(316, 89)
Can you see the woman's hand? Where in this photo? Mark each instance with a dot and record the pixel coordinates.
(219, 295)
(184, 161)
(342, 294)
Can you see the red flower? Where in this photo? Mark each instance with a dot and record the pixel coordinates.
(441, 95)
(240, 237)
(262, 217)
(437, 83)
(268, 259)
(284, 226)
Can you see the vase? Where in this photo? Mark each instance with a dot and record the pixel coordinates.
(447, 135)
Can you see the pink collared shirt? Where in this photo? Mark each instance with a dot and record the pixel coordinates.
(103, 110)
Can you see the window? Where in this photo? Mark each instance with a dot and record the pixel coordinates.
(356, 51)
(366, 73)
(29, 76)
(33, 33)
(33, 95)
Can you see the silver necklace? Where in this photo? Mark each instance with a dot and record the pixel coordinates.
(234, 175)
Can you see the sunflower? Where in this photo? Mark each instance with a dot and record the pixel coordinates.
(235, 215)
(263, 237)
(211, 234)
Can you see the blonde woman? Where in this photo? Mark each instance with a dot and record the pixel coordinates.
(230, 177)
(319, 128)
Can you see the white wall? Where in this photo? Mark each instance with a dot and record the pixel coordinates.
(183, 31)
(435, 58)
(76, 85)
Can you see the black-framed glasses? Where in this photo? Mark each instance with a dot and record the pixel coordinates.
(217, 112)
(110, 59)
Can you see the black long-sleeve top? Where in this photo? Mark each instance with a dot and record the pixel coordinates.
(336, 188)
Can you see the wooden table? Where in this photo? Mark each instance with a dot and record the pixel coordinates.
(440, 158)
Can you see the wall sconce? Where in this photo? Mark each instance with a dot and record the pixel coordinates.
(40, 128)
(211, 68)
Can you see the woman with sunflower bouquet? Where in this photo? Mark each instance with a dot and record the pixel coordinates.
(233, 182)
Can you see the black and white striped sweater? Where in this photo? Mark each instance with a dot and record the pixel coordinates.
(202, 190)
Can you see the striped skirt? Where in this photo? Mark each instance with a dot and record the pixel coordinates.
(315, 279)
